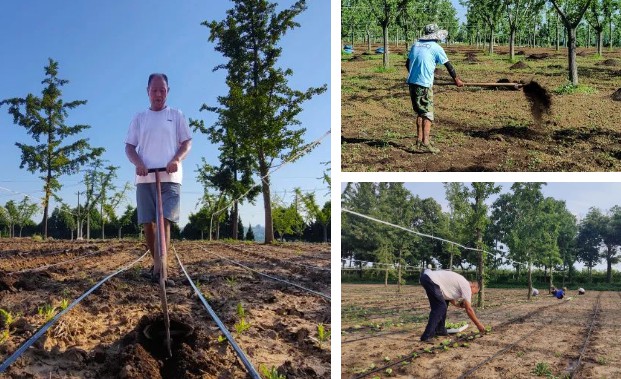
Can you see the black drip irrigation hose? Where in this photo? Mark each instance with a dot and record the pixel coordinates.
(240, 353)
(37, 269)
(461, 339)
(272, 277)
(442, 346)
(45, 327)
(279, 260)
(586, 340)
(509, 322)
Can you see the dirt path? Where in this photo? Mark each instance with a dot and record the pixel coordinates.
(544, 334)
(102, 337)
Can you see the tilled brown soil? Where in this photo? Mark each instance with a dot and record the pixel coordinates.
(382, 328)
(103, 336)
(482, 129)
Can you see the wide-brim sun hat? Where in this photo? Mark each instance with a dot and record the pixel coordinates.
(433, 32)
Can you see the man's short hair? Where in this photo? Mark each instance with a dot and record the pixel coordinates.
(163, 76)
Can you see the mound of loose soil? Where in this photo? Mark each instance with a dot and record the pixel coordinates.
(616, 96)
(582, 53)
(521, 52)
(540, 100)
(609, 62)
(538, 56)
(471, 57)
(519, 65)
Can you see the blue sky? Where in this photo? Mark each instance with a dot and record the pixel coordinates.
(107, 50)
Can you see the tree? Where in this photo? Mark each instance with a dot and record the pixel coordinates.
(385, 12)
(479, 220)
(459, 213)
(571, 16)
(596, 17)
(259, 92)
(315, 213)
(25, 211)
(519, 218)
(249, 234)
(287, 220)
(518, 11)
(226, 177)
(489, 11)
(589, 239)
(11, 215)
(44, 118)
(610, 228)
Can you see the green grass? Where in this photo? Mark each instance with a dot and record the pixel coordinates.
(569, 89)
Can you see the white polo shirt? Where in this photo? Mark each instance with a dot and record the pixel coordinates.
(453, 285)
(157, 136)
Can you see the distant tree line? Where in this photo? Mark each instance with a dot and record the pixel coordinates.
(522, 229)
(257, 131)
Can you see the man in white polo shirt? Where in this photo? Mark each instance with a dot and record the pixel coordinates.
(444, 287)
(158, 137)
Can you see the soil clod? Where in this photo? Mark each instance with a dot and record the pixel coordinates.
(540, 100)
(609, 62)
(538, 56)
(519, 65)
(616, 96)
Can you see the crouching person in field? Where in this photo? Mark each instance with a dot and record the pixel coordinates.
(444, 287)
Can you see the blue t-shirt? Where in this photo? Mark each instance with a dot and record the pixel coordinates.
(559, 294)
(424, 56)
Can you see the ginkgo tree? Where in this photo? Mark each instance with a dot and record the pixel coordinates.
(54, 153)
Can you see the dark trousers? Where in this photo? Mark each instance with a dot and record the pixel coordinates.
(439, 306)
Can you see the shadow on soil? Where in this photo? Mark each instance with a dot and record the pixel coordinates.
(377, 143)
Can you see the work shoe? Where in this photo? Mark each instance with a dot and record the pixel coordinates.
(429, 148)
(156, 279)
(428, 341)
(444, 333)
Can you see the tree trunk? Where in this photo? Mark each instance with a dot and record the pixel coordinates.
(120, 232)
(558, 32)
(267, 201)
(551, 274)
(512, 44)
(235, 220)
(480, 270)
(368, 39)
(609, 265)
(385, 58)
(103, 236)
(491, 40)
(88, 226)
(399, 274)
(325, 232)
(610, 33)
(530, 280)
(571, 55)
(386, 277)
(600, 43)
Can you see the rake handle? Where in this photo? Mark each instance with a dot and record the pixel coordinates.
(475, 84)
